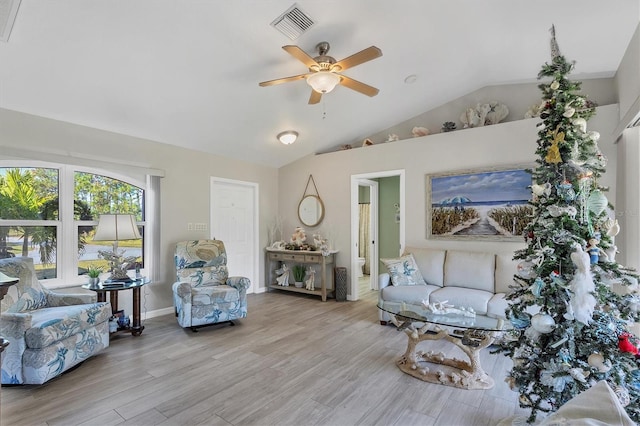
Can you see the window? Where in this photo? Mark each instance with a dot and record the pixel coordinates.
(49, 213)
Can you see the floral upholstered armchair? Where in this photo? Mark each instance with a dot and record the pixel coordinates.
(48, 332)
(204, 293)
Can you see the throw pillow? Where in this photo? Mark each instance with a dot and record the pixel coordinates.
(404, 271)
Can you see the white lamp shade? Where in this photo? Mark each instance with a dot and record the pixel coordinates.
(117, 227)
(323, 81)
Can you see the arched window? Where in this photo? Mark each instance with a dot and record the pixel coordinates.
(49, 212)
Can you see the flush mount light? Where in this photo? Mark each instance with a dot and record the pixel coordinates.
(288, 137)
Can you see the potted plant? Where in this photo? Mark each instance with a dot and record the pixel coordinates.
(94, 275)
(298, 275)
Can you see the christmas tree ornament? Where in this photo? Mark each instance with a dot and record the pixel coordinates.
(612, 227)
(520, 321)
(536, 288)
(597, 202)
(543, 323)
(568, 112)
(625, 345)
(594, 136)
(554, 85)
(565, 191)
(622, 393)
(555, 49)
(540, 190)
(580, 123)
(596, 360)
(582, 286)
(526, 270)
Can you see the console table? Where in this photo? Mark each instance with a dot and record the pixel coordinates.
(275, 258)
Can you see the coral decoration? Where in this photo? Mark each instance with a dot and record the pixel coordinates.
(625, 345)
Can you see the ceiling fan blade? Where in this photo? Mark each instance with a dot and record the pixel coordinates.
(358, 58)
(300, 55)
(358, 86)
(283, 80)
(315, 97)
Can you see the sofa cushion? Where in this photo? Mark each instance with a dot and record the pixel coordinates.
(506, 268)
(497, 306)
(474, 270)
(430, 263)
(409, 294)
(28, 294)
(50, 325)
(463, 298)
(404, 271)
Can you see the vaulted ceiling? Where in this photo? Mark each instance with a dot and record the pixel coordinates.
(186, 72)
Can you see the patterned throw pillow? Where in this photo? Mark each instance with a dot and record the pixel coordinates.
(404, 271)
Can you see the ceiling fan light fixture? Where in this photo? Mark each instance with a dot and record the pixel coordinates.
(323, 81)
(288, 137)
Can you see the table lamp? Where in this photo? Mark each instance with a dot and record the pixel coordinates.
(117, 227)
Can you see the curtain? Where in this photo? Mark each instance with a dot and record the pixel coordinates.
(152, 229)
(364, 238)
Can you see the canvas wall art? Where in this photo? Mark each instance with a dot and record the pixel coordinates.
(487, 204)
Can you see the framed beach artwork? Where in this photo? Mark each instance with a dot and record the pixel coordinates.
(489, 204)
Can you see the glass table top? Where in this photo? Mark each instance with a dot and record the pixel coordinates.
(118, 285)
(420, 313)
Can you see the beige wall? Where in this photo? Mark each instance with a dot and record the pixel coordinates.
(627, 83)
(184, 189)
(504, 144)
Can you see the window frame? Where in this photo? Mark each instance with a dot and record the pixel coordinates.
(66, 225)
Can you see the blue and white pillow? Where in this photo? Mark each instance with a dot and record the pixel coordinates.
(404, 271)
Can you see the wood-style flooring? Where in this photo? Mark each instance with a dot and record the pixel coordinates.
(293, 361)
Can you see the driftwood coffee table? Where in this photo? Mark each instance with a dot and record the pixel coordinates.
(470, 334)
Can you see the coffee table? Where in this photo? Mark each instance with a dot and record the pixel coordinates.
(470, 334)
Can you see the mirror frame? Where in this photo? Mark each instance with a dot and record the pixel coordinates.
(318, 200)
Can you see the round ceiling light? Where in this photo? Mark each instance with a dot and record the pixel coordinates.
(288, 137)
(323, 81)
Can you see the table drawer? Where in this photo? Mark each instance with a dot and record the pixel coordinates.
(287, 256)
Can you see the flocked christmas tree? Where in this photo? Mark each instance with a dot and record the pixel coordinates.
(572, 303)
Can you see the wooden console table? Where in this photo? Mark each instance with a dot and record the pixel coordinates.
(275, 258)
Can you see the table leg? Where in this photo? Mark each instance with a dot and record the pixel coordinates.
(136, 327)
(113, 298)
(454, 372)
(102, 296)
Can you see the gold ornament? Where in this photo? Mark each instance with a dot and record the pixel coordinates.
(553, 154)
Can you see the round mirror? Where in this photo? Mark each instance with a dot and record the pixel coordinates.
(311, 210)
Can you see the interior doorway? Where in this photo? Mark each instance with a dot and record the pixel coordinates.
(367, 265)
(234, 220)
(357, 183)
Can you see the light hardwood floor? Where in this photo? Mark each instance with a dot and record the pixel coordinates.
(294, 361)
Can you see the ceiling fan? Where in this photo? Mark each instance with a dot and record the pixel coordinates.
(323, 75)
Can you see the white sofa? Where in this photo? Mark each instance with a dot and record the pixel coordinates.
(462, 278)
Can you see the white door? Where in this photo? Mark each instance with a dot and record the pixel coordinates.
(234, 219)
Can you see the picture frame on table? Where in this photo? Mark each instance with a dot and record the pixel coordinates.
(479, 204)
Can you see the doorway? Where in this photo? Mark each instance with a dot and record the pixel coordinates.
(234, 220)
(365, 180)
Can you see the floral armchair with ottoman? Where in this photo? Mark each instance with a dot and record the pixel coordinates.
(48, 332)
(204, 293)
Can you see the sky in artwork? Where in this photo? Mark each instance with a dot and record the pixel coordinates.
(504, 185)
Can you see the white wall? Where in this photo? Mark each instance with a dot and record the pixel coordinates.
(504, 144)
(184, 189)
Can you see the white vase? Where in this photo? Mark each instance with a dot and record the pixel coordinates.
(299, 284)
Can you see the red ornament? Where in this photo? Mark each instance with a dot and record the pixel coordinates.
(625, 345)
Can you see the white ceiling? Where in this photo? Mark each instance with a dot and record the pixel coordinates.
(186, 72)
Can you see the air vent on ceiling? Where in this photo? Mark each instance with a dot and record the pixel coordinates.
(293, 23)
(8, 12)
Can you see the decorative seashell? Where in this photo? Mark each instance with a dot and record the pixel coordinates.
(554, 85)
(594, 136)
(393, 137)
(540, 190)
(497, 113)
(419, 131)
(367, 142)
(568, 112)
(596, 360)
(470, 118)
(581, 123)
(597, 202)
(344, 147)
(534, 110)
(612, 226)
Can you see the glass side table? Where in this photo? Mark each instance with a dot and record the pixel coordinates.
(113, 288)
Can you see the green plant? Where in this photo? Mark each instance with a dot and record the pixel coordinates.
(94, 271)
(298, 273)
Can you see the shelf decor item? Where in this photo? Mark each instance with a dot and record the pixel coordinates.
(94, 275)
(298, 275)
